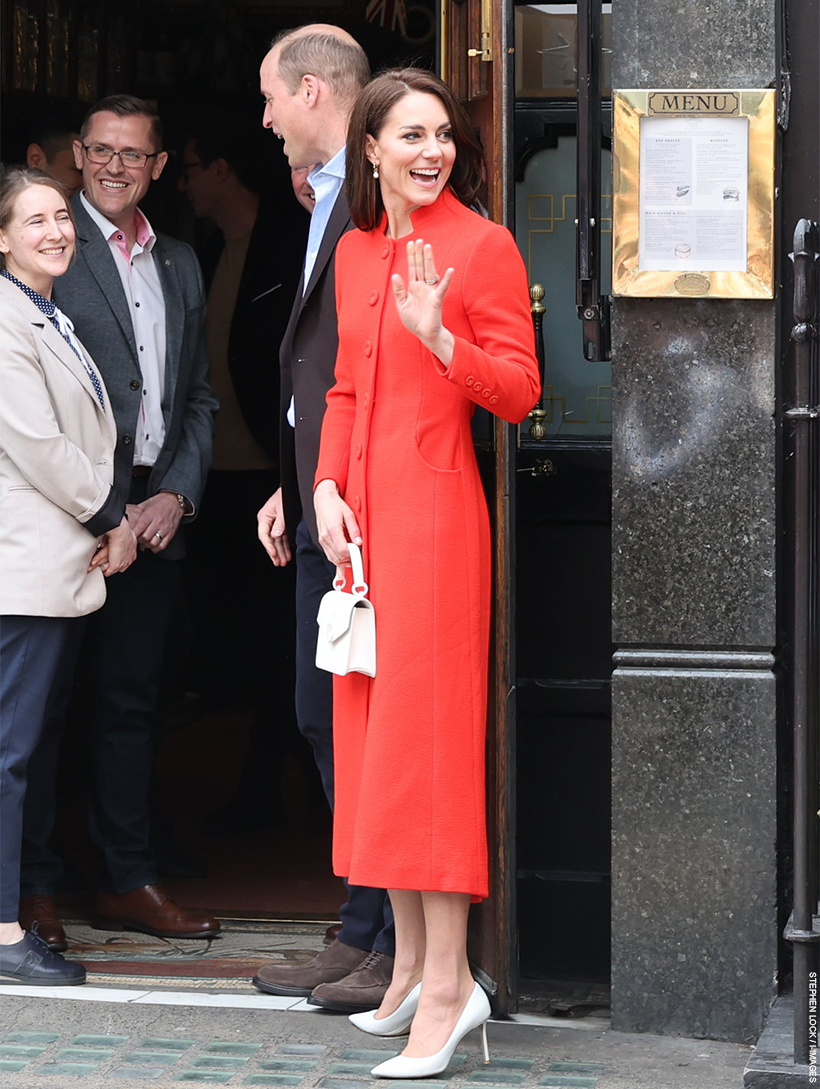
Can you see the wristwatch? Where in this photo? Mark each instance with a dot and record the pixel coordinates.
(185, 505)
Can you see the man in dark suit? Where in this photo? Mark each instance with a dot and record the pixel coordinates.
(310, 80)
(136, 300)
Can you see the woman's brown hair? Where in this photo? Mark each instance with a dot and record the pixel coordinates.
(14, 181)
(368, 118)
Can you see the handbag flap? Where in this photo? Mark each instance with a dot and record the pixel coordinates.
(335, 614)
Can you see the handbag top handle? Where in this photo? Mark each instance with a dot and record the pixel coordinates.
(359, 587)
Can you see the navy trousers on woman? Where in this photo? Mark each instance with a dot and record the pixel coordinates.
(367, 917)
(38, 655)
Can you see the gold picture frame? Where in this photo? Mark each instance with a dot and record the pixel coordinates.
(693, 193)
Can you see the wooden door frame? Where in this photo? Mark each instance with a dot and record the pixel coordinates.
(485, 84)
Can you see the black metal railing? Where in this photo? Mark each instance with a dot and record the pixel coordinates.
(802, 460)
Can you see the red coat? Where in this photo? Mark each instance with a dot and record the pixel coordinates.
(409, 744)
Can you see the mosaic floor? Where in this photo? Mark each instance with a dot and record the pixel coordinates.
(229, 961)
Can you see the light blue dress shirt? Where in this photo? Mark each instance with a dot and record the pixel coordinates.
(326, 181)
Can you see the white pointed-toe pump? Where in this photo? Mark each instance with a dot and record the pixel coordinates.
(474, 1015)
(396, 1023)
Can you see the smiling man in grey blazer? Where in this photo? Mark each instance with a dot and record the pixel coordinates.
(136, 300)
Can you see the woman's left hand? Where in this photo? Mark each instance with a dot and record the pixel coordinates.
(419, 302)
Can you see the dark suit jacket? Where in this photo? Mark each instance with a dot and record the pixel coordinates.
(308, 359)
(263, 306)
(91, 294)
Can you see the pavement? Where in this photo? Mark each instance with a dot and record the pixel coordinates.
(96, 1037)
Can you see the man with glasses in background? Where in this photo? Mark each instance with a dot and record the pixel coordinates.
(137, 303)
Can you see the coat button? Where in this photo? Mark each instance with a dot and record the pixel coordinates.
(366, 400)
(477, 386)
(357, 503)
(493, 400)
(368, 348)
(374, 298)
(358, 451)
(485, 392)
(385, 251)
(135, 384)
(127, 440)
(469, 380)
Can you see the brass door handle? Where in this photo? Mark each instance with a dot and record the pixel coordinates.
(538, 415)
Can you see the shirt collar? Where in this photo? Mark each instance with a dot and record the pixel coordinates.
(43, 304)
(333, 168)
(145, 233)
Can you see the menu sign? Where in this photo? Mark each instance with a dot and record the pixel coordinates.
(693, 193)
(693, 202)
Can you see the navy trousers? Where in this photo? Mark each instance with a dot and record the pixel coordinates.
(38, 655)
(367, 918)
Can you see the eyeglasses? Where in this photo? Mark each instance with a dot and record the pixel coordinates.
(97, 153)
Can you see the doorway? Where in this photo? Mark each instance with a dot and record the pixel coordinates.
(562, 526)
(550, 918)
(243, 824)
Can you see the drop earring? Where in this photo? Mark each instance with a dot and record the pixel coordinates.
(375, 170)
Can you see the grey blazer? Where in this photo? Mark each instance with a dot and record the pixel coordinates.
(308, 361)
(91, 294)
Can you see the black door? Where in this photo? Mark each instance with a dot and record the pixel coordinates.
(563, 642)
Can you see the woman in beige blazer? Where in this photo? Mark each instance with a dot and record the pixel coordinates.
(62, 528)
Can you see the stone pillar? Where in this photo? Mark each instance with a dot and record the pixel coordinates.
(694, 527)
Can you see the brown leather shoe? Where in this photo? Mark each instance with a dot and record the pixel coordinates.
(298, 981)
(40, 911)
(362, 990)
(152, 911)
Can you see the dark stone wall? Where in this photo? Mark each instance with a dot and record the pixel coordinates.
(693, 482)
(692, 43)
(694, 600)
(693, 846)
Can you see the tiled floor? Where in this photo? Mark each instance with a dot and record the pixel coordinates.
(172, 1060)
(130, 1038)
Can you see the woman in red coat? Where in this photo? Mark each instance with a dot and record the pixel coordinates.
(433, 319)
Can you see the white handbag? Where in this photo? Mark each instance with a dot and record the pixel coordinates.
(347, 624)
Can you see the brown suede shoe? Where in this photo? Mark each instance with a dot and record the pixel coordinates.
(362, 990)
(299, 980)
(40, 911)
(151, 911)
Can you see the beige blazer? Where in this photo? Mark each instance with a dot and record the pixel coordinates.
(56, 468)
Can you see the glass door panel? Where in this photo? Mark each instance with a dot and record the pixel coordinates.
(546, 47)
(577, 394)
